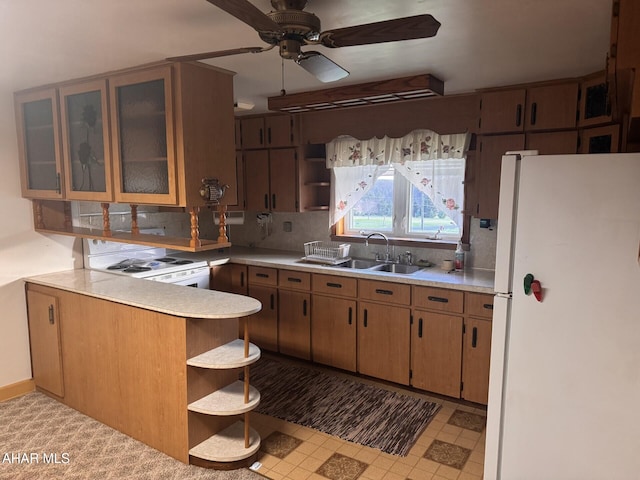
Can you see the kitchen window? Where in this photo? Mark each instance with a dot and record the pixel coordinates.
(410, 188)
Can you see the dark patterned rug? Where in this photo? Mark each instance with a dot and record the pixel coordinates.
(348, 409)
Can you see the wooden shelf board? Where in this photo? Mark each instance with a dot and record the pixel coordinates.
(317, 207)
(229, 355)
(176, 243)
(227, 445)
(228, 400)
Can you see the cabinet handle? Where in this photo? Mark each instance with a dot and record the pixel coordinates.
(383, 292)
(350, 315)
(534, 112)
(261, 137)
(438, 299)
(269, 135)
(365, 318)
(273, 202)
(334, 285)
(294, 280)
(266, 201)
(519, 115)
(488, 306)
(242, 279)
(262, 275)
(474, 337)
(420, 328)
(304, 307)
(273, 302)
(51, 317)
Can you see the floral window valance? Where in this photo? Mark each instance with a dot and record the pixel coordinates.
(432, 162)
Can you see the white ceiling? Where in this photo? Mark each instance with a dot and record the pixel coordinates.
(481, 43)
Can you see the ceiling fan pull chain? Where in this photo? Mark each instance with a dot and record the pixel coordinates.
(283, 92)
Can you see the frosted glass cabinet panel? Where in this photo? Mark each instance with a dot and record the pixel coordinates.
(142, 137)
(85, 140)
(39, 143)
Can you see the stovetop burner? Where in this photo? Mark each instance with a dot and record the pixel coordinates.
(166, 260)
(136, 269)
(182, 262)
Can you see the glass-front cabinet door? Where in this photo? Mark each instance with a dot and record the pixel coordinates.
(143, 137)
(39, 144)
(85, 141)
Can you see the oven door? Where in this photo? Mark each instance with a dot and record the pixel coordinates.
(197, 277)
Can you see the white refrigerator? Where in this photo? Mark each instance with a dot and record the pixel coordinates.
(564, 388)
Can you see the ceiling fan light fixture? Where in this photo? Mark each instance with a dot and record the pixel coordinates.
(321, 67)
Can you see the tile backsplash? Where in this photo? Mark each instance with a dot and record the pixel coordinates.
(280, 231)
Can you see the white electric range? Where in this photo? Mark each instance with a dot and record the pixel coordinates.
(149, 263)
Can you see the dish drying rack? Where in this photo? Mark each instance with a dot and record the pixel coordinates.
(330, 253)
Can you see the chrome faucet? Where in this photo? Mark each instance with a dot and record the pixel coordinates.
(387, 256)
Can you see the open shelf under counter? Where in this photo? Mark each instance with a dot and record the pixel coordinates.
(229, 355)
(227, 401)
(227, 445)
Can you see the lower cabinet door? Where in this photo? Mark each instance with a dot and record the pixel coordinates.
(383, 341)
(44, 336)
(294, 325)
(263, 326)
(333, 330)
(436, 352)
(476, 355)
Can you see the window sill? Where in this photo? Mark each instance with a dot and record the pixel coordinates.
(404, 242)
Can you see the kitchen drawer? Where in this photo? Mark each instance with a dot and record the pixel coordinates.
(478, 304)
(294, 280)
(263, 276)
(335, 285)
(385, 292)
(439, 299)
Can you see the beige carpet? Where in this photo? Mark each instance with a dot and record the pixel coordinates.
(41, 438)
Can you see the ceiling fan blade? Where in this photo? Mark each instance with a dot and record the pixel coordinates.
(245, 11)
(407, 28)
(219, 53)
(321, 67)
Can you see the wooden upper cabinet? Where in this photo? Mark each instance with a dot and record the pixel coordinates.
(172, 126)
(492, 148)
(39, 145)
(283, 179)
(84, 113)
(252, 134)
(502, 111)
(256, 163)
(595, 105)
(269, 131)
(281, 131)
(546, 107)
(553, 143)
(552, 107)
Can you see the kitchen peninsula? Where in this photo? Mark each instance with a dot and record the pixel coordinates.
(122, 350)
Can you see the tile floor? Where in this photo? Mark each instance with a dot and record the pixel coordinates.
(451, 448)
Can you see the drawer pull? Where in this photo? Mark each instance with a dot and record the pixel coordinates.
(334, 285)
(431, 298)
(488, 306)
(382, 291)
(474, 337)
(262, 275)
(294, 280)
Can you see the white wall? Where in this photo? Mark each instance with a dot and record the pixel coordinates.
(22, 252)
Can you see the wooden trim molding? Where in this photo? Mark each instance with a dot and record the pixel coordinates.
(17, 389)
(372, 93)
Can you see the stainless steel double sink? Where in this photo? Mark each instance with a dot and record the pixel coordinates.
(372, 265)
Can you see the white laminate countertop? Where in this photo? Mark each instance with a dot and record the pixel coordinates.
(471, 280)
(160, 297)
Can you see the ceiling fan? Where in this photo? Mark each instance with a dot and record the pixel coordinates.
(289, 27)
